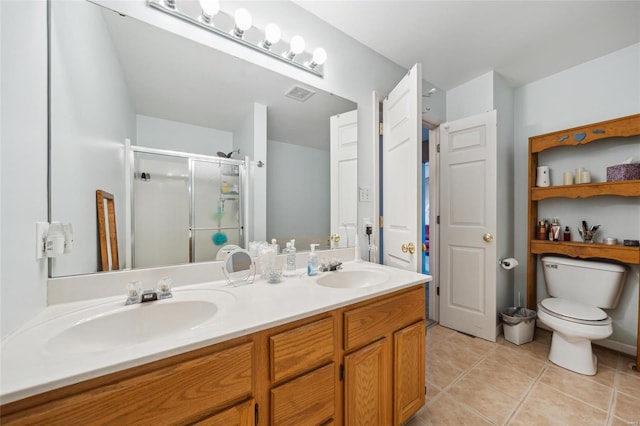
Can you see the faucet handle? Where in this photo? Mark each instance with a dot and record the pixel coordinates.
(163, 288)
(134, 288)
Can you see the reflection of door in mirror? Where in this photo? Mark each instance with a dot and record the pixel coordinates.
(344, 178)
(107, 234)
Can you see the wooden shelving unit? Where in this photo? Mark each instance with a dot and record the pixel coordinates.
(625, 127)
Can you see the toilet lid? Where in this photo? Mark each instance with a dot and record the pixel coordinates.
(571, 309)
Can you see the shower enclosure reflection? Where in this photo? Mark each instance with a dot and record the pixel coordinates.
(184, 207)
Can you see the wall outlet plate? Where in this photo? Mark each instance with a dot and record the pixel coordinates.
(364, 194)
(42, 228)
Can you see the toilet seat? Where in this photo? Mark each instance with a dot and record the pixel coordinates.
(576, 312)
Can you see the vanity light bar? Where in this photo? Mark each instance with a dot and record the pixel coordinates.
(313, 66)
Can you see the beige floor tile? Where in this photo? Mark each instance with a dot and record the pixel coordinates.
(440, 372)
(493, 403)
(627, 408)
(501, 377)
(619, 422)
(446, 411)
(522, 362)
(547, 406)
(473, 344)
(605, 376)
(456, 354)
(432, 391)
(438, 334)
(628, 383)
(537, 350)
(578, 386)
(626, 364)
(606, 357)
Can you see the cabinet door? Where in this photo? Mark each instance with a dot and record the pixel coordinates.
(367, 400)
(409, 371)
(242, 414)
(307, 400)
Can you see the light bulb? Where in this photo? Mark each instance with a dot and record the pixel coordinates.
(243, 21)
(319, 57)
(271, 35)
(297, 46)
(209, 9)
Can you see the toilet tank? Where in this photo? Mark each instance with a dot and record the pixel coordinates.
(593, 283)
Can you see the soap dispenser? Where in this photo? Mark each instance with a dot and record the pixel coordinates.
(312, 265)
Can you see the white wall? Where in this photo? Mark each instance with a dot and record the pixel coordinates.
(88, 136)
(297, 206)
(23, 159)
(602, 89)
(158, 133)
(470, 98)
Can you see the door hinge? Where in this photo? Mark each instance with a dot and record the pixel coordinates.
(438, 148)
(438, 291)
(380, 129)
(255, 411)
(341, 372)
(438, 220)
(381, 222)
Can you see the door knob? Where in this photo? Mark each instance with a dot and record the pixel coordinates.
(487, 237)
(408, 248)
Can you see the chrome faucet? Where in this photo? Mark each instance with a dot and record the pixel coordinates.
(135, 294)
(334, 265)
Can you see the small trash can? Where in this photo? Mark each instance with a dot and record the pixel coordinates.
(519, 324)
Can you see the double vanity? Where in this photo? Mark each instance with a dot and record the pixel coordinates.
(343, 347)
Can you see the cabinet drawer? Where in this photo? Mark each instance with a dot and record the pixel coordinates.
(301, 349)
(176, 394)
(308, 399)
(371, 322)
(242, 414)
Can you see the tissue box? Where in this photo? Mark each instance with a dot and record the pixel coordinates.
(623, 172)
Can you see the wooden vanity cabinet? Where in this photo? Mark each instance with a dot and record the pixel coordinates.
(385, 378)
(362, 364)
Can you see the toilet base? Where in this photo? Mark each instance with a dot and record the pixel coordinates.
(574, 354)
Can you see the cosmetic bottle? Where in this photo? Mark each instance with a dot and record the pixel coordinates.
(567, 234)
(555, 230)
(542, 231)
(312, 265)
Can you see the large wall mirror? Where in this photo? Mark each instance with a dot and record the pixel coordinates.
(115, 79)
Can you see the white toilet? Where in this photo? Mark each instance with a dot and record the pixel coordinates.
(578, 289)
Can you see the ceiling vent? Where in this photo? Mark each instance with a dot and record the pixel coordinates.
(299, 93)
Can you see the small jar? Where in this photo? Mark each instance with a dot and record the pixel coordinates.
(542, 231)
(567, 234)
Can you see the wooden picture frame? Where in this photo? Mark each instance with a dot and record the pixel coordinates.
(107, 232)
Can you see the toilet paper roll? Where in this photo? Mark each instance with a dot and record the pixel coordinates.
(509, 263)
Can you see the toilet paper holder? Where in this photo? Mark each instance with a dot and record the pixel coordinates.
(508, 263)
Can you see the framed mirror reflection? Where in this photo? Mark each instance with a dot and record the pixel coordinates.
(117, 81)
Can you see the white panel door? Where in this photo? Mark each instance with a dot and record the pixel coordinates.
(344, 176)
(401, 162)
(468, 225)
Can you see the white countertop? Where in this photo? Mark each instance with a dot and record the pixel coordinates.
(29, 367)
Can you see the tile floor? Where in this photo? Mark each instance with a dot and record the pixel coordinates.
(471, 381)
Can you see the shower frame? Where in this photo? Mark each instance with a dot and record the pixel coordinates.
(191, 158)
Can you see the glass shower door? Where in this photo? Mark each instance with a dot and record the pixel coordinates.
(216, 210)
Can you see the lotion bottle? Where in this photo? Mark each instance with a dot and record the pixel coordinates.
(312, 265)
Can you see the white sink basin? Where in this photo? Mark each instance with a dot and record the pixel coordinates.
(115, 325)
(353, 278)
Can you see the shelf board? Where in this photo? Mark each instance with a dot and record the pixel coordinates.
(625, 188)
(585, 250)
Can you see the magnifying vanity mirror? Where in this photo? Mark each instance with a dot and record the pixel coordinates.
(239, 267)
(118, 82)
